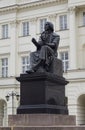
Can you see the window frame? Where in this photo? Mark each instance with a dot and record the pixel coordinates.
(26, 64)
(25, 28)
(65, 61)
(42, 23)
(4, 67)
(5, 31)
(63, 22)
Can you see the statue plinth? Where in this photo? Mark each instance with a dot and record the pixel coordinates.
(42, 93)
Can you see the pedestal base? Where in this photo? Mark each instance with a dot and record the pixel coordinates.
(42, 108)
(42, 93)
(41, 120)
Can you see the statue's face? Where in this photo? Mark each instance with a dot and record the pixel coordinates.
(47, 27)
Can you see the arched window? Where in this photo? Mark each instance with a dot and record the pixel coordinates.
(81, 110)
(3, 113)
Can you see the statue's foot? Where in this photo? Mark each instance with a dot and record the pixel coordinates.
(30, 71)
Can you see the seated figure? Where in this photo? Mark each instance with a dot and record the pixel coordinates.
(46, 51)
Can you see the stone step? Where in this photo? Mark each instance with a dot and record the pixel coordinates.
(41, 120)
(44, 128)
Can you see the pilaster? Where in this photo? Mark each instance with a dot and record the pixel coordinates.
(72, 36)
(13, 48)
(33, 29)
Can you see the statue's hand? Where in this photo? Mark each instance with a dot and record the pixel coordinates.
(34, 40)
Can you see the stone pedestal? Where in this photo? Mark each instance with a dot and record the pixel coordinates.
(44, 128)
(42, 93)
(41, 120)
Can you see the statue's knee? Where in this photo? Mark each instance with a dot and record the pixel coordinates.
(44, 48)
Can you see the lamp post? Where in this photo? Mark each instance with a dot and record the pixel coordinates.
(12, 94)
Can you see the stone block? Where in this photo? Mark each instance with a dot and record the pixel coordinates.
(41, 120)
(5, 128)
(44, 128)
(51, 128)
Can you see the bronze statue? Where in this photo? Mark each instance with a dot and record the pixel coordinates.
(47, 46)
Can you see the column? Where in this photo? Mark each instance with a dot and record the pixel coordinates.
(72, 36)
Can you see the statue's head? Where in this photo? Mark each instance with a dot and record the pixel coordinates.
(49, 26)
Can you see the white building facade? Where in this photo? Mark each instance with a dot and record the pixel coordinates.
(20, 20)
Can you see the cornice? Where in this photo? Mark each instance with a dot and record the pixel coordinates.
(19, 5)
(41, 2)
(9, 8)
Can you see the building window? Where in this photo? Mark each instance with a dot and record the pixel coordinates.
(25, 63)
(4, 62)
(65, 60)
(42, 23)
(84, 18)
(63, 22)
(5, 31)
(25, 28)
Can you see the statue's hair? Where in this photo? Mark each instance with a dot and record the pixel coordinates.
(50, 25)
